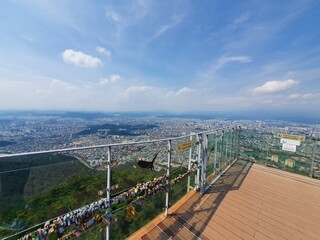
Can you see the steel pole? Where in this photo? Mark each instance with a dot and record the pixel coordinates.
(238, 141)
(204, 161)
(108, 193)
(232, 145)
(215, 154)
(168, 179)
(199, 161)
(221, 152)
(227, 139)
(189, 165)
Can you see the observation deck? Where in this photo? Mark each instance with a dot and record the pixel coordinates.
(249, 201)
(227, 183)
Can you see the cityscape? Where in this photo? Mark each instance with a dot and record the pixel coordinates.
(48, 131)
(198, 118)
(31, 180)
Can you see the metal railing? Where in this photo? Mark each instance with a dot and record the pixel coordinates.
(197, 160)
(208, 156)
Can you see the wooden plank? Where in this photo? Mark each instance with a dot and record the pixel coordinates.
(268, 204)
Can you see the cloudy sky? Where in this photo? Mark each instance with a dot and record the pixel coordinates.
(177, 56)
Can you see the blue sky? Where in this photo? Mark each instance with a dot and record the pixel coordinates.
(173, 56)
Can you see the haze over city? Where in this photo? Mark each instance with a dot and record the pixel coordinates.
(176, 56)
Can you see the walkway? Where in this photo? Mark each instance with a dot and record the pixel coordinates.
(250, 201)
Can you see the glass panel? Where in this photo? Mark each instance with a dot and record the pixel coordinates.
(179, 166)
(140, 173)
(97, 232)
(228, 137)
(266, 148)
(36, 188)
(123, 224)
(316, 167)
(224, 150)
(212, 163)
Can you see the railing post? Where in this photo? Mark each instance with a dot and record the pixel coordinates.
(215, 153)
(313, 156)
(199, 164)
(168, 178)
(204, 161)
(238, 140)
(221, 152)
(108, 221)
(227, 139)
(189, 165)
(232, 145)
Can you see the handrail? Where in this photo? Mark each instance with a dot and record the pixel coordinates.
(203, 133)
(160, 182)
(106, 145)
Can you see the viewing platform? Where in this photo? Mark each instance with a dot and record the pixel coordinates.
(250, 201)
(230, 183)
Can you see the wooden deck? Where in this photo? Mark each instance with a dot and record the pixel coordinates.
(250, 201)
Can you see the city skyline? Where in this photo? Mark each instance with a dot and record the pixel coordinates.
(180, 56)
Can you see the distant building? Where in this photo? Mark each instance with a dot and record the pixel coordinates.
(289, 162)
(274, 158)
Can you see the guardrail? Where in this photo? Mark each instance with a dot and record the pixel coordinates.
(204, 156)
(291, 151)
(198, 156)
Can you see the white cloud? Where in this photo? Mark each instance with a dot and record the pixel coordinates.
(80, 59)
(268, 101)
(304, 96)
(110, 13)
(183, 91)
(56, 82)
(225, 60)
(103, 81)
(63, 85)
(294, 96)
(43, 93)
(103, 51)
(115, 78)
(138, 89)
(142, 89)
(112, 78)
(275, 86)
(243, 18)
(308, 95)
(164, 28)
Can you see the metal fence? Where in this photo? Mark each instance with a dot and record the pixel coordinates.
(110, 191)
(69, 192)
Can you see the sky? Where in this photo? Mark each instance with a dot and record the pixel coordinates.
(170, 55)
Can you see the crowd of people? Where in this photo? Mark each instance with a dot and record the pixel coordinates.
(89, 215)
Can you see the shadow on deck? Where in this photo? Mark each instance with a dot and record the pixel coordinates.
(250, 201)
(189, 217)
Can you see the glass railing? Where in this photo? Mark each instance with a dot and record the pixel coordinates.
(93, 192)
(290, 151)
(111, 191)
(222, 151)
(38, 187)
(316, 168)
